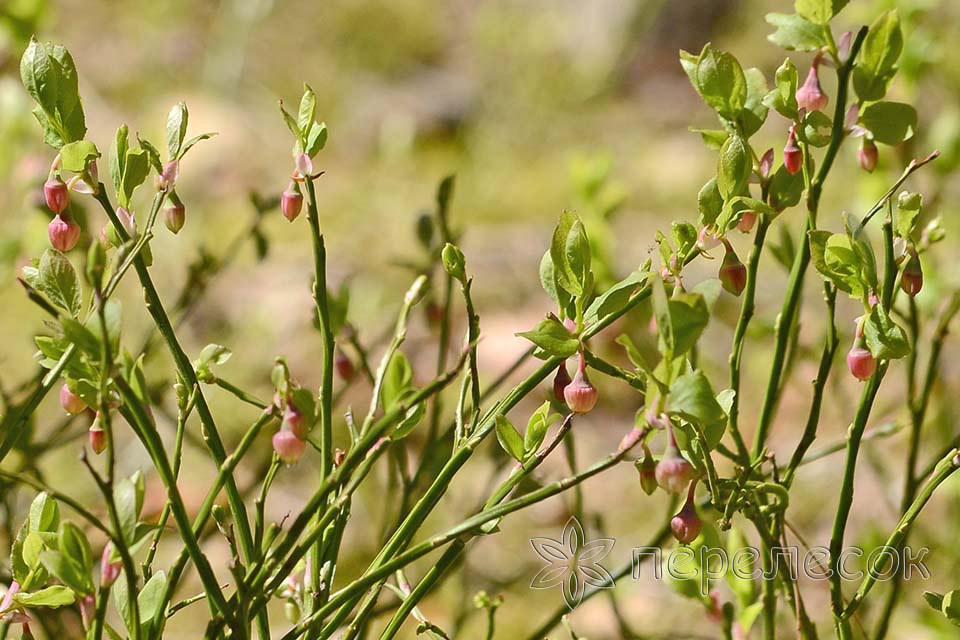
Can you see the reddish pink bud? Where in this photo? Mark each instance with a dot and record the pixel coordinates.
(339, 455)
(169, 174)
(792, 155)
(707, 240)
(343, 366)
(293, 419)
(766, 164)
(97, 437)
(570, 325)
(648, 472)
(843, 46)
(56, 193)
(912, 279)
(304, 165)
(673, 472)
(291, 202)
(64, 233)
(868, 154)
(580, 395)
(88, 609)
(810, 96)
(686, 525)
(129, 221)
(747, 220)
(109, 567)
(288, 446)
(174, 216)
(560, 382)
(71, 402)
(732, 274)
(860, 362)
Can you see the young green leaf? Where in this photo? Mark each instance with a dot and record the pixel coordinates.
(52, 597)
(783, 97)
(75, 156)
(692, 397)
(909, 207)
(551, 336)
(885, 339)
(819, 11)
(44, 514)
(721, 82)
(889, 122)
(509, 438)
(397, 380)
(795, 33)
(709, 202)
(570, 252)
(537, 428)
(733, 168)
(57, 279)
(876, 64)
(176, 129)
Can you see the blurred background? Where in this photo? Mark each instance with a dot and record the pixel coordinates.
(536, 106)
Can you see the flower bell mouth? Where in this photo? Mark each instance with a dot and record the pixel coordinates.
(288, 446)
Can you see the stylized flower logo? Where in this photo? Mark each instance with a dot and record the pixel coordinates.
(573, 562)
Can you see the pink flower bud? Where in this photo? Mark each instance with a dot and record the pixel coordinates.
(810, 96)
(580, 395)
(560, 382)
(56, 193)
(174, 216)
(291, 202)
(288, 446)
(293, 420)
(747, 220)
(792, 155)
(868, 154)
(109, 568)
(707, 240)
(71, 402)
(169, 174)
(97, 437)
(64, 233)
(686, 525)
(766, 164)
(647, 469)
(843, 46)
(732, 274)
(129, 221)
(304, 165)
(912, 279)
(673, 472)
(860, 362)
(343, 366)
(88, 609)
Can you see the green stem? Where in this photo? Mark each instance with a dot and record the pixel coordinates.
(791, 302)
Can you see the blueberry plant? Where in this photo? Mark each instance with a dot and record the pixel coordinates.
(725, 486)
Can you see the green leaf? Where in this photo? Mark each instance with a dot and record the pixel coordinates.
(754, 112)
(118, 155)
(570, 252)
(692, 397)
(44, 514)
(786, 189)
(816, 128)
(50, 77)
(308, 110)
(75, 156)
(410, 420)
(950, 606)
(835, 260)
(212, 354)
(176, 129)
(152, 153)
(616, 296)
(689, 316)
(135, 172)
(53, 597)
(795, 33)
(878, 57)
(889, 122)
(819, 11)
(189, 144)
(783, 97)
(909, 207)
(713, 138)
(57, 279)
(509, 438)
(151, 597)
(862, 247)
(734, 166)
(317, 139)
(67, 571)
(291, 123)
(81, 336)
(74, 545)
(885, 339)
(397, 380)
(551, 336)
(934, 600)
(709, 202)
(721, 82)
(129, 502)
(537, 428)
